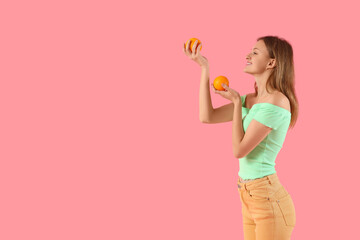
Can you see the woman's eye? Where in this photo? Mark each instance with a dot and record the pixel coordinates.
(254, 52)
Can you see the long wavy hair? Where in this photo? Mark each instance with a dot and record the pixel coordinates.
(283, 76)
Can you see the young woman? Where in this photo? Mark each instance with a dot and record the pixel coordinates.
(260, 122)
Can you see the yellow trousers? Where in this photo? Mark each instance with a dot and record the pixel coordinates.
(267, 209)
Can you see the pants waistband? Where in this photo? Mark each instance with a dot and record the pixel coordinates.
(255, 182)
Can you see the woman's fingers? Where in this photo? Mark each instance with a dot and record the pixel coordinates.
(194, 51)
(198, 50)
(194, 46)
(214, 89)
(187, 47)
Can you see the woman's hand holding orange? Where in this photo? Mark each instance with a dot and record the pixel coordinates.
(195, 55)
(229, 93)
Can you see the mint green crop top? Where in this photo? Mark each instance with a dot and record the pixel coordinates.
(260, 161)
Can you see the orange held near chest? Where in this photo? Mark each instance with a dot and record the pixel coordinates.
(220, 80)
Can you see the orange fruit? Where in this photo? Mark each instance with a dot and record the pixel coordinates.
(192, 41)
(220, 80)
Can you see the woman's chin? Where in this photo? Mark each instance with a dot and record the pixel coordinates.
(246, 71)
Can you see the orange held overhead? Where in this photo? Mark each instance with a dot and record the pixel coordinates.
(218, 81)
(192, 41)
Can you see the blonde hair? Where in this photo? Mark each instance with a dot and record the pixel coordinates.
(283, 76)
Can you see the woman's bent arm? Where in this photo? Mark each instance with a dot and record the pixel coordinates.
(206, 109)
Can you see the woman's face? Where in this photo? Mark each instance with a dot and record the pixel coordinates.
(259, 59)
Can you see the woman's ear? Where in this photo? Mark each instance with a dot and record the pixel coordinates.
(273, 62)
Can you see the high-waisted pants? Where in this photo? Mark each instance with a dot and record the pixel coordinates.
(268, 210)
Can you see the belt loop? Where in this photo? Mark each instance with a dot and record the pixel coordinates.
(270, 180)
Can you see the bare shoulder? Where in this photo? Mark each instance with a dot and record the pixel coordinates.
(249, 100)
(280, 100)
(277, 98)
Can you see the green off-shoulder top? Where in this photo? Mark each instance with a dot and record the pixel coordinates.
(260, 161)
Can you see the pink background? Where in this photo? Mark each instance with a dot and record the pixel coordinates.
(100, 131)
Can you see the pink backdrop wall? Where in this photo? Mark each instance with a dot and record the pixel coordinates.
(100, 131)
